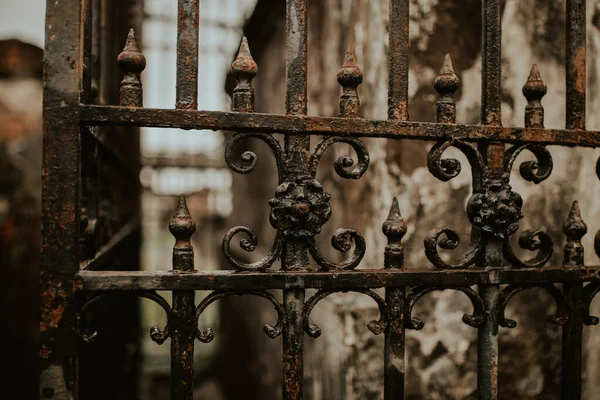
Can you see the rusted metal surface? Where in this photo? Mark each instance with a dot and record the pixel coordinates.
(132, 62)
(394, 228)
(294, 254)
(363, 278)
(183, 322)
(398, 60)
(576, 63)
(60, 199)
(296, 125)
(188, 20)
(574, 229)
(300, 206)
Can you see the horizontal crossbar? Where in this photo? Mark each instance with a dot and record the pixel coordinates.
(329, 126)
(234, 280)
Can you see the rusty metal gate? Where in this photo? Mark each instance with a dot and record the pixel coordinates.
(490, 273)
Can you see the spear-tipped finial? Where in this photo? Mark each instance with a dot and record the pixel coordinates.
(131, 58)
(574, 228)
(394, 228)
(182, 227)
(132, 62)
(244, 63)
(350, 77)
(243, 69)
(534, 90)
(446, 84)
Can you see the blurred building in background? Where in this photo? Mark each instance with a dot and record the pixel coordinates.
(177, 161)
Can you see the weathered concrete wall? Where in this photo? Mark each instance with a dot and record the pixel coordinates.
(347, 361)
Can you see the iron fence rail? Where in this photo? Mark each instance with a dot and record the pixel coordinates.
(301, 206)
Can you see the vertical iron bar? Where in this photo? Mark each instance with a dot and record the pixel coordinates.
(63, 71)
(188, 19)
(575, 119)
(491, 86)
(572, 343)
(491, 100)
(398, 60)
(184, 325)
(574, 228)
(576, 62)
(394, 352)
(86, 87)
(297, 149)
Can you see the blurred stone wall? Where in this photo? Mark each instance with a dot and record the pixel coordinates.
(346, 362)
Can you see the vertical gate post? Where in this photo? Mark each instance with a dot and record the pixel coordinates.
(394, 229)
(398, 60)
(576, 63)
(574, 227)
(188, 19)
(182, 226)
(297, 148)
(491, 100)
(63, 72)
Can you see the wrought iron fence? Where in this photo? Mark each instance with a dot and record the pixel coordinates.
(489, 274)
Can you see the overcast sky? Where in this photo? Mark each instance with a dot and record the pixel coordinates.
(23, 19)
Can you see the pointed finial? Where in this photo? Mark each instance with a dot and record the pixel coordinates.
(446, 84)
(132, 62)
(574, 228)
(394, 228)
(349, 77)
(243, 69)
(534, 90)
(182, 227)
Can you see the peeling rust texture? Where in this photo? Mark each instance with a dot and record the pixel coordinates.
(398, 60)
(394, 228)
(491, 74)
(298, 125)
(493, 154)
(487, 346)
(576, 63)
(297, 153)
(362, 278)
(188, 18)
(184, 325)
(60, 189)
(293, 337)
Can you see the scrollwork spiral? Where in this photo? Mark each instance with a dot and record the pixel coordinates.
(157, 335)
(533, 241)
(450, 241)
(446, 169)
(475, 319)
(250, 157)
(341, 240)
(343, 162)
(272, 331)
(560, 317)
(589, 292)
(377, 327)
(249, 244)
(532, 171)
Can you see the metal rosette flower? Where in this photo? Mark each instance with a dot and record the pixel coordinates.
(497, 210)
(300, 208)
